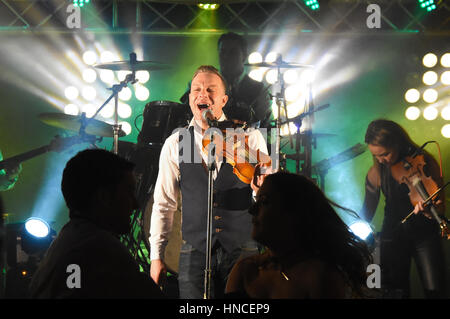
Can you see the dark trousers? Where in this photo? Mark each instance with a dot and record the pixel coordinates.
(396, 253)
(191, 274)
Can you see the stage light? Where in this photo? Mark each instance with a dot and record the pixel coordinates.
(89, 110)
(445, 131)
(142, 76)
(412, 95)
(124, 110)
(126, 127)
(80, 3)
(121, 75)
(125, 94)
(71, 93)
(429, 60)
(412, 113)
(255, 57)
(312, 4)
(37, 227)
(208, 6)
(428, 5)
(89, 93)
(430, 113)
(107, 76)
(142, 93)
(271, 57)
(445, 60)
(445, 78)
(290, 76)
(430, 95)
(361, 229)
(272, 76)
(295, 108)
(430, 78)
(89, 75)
(108, 110)
(257, 74)
(284, 130)
(106, 57)
(89, 57)
(445, 113)
(307, 76)
(292, 93)
(71, 109)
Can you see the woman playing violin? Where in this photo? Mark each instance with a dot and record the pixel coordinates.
(418, 238)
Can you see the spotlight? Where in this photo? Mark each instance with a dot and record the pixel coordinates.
(430, 113)
(429, 60)
(142, 76)
(89, 57)
(80, 3)
(107, 76)
(89, 109)
(445, 113)
(89, 75)
(124, 110)
(272, 76)
(412, 95)
(71, 109)
(445, 131)
(208, 6)
(106, 57)
(445, 60)
(257, 74)
(89, 93)
(26, 244)
(428, 5)
(142, 93)
(290, 76)
(430, 77)
(126, 127)
(108, 110)
(271, 57)
(125, 94)
(445, 78)
(312, 4)
(255, 57)
(361, 229)
(430, 95)
(412, 113)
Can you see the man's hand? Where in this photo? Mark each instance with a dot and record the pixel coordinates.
(158, 271)
(420, 208)
(261, 171)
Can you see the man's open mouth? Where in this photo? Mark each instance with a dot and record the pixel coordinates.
(203, 106)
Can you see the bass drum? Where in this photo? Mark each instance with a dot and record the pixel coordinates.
(160, 119)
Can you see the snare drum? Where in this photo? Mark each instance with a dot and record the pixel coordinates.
(160, 119)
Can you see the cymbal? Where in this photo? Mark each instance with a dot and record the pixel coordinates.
(276, 65)
(73, 123)
(136, 66)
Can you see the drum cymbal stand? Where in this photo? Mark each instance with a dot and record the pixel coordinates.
(116, 88)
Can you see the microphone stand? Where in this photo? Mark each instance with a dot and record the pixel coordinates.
(211, 168)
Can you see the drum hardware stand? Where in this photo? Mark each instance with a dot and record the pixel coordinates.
(116, 88)
(211, 169)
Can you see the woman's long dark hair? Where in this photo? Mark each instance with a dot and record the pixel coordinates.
(389, 134)
(321, 232)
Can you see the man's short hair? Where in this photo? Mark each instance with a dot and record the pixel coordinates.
(213, 70)
(89, 171)
(231, 36)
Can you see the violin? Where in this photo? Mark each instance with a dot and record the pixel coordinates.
(410, 171)
(231, 142)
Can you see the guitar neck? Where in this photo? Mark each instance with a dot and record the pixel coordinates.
(15, 160)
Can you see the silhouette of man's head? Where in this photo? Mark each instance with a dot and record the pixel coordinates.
(232, 54)
(100, 186)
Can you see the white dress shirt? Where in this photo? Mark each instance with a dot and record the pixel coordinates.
(167, 186)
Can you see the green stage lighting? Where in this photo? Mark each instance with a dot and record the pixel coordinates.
(312, 4)
(80, 3)
(429, 5)
(208, 6)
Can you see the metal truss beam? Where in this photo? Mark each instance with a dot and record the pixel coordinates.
(250, 17)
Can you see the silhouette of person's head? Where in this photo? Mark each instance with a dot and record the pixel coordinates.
(232, 54)
(292, 215)
(100, 186)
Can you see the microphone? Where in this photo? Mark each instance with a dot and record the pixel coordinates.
(209, 118)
